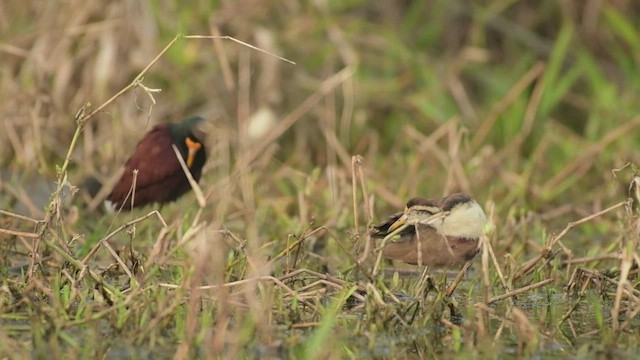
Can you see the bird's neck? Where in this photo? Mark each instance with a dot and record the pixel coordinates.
(467, 221)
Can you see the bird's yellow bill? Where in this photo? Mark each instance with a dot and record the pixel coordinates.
(429, 218)
(401, 221)
(193, 147)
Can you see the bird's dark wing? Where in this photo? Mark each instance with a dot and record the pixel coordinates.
(158, 170)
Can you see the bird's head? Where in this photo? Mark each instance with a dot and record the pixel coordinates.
(457, 215)
(188, 135)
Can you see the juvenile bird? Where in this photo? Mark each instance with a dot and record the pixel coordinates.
(435, 233)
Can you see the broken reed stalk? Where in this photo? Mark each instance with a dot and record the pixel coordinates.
(630, 317)
(626, 262)
(496, 265)
(423, 282)
(525, 331)
(629, 254)
(226, 37)
(134, 184)
(314, 274)
(631, 292)
(122, 227)
(194, 184)
(295, 244)
(358, 172)
(521, 290)
(363, 187)
(298, 242)
(360, 265)
(81, 267)
(101, 314)
(265, 278)
(526, 269)
(588, 259)
(379, 249)
(20, 217)
(484, 260)
(322, 278)
(568, 313)
(585, 219)
(223, 59)
(354, 193)
(19, 233)
(458, 279)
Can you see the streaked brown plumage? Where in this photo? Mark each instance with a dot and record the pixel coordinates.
(439, 233)
(160, 177)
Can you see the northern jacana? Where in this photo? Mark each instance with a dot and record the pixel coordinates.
(438, 233)
(160, 177)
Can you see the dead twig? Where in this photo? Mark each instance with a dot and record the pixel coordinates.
(194, 184)
(266, 278)
(520, 290)
(458, 279)
(121, 228)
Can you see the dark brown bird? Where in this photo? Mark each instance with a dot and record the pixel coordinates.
(160, 177)
(435, 233)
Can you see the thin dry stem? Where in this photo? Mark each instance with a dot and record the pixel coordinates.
(547, 252)
(458, 279)
(521, 290)
(266, 278)
(122, 227)
(19, 233)
(573, 224)
(625, 266)
(223, 59)
(226, 37)
(354, 193)
(192, 182)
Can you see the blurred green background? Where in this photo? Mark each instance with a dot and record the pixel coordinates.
(536, 87)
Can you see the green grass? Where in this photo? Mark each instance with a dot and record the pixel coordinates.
(528, 107)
